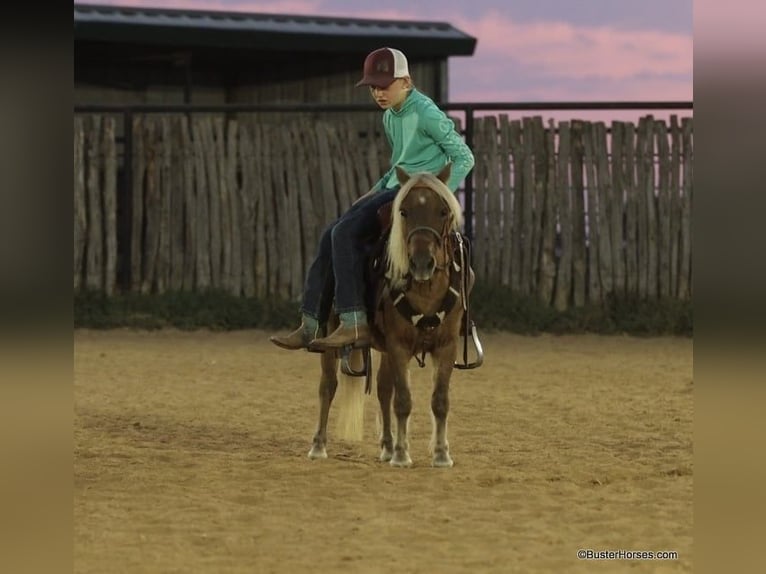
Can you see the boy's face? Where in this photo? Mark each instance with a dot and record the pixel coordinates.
(391, 96)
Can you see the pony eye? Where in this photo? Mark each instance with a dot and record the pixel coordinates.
(403, 212)
(445, 212)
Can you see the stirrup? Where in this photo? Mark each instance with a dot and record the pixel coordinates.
(470, 329)
(345, 367)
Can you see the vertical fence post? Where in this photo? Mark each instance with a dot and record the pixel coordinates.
(469, 179)
(126, 199)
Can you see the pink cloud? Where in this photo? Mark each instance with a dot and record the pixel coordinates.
(629, 90)
(569, 51)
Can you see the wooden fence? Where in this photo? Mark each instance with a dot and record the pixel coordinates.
(568, 212)
(574, 214)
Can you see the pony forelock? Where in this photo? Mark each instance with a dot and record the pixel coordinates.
(398, 258)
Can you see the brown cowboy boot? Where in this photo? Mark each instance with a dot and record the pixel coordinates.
(356, 335)
(298, 339)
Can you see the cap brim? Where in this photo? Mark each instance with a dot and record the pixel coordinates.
(374, 80)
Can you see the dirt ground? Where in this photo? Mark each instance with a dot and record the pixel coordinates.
(190, 456)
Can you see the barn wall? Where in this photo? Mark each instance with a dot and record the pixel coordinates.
(265, 78)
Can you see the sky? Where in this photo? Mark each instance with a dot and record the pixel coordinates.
(531, 50)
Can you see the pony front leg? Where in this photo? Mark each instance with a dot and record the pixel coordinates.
(385, 394)
(328, 384)
(399, 362)
(444, 359)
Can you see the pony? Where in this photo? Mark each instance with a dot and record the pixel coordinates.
(419, 302)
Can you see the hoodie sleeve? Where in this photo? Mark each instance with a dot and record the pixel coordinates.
(442, 130)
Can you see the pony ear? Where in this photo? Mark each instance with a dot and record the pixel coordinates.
(402, 175)
(445, 173)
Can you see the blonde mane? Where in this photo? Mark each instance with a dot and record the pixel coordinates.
(398, 259)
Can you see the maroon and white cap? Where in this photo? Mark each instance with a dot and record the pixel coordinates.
(383, 66)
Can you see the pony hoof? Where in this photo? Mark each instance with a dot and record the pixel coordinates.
(317, 452)
(401, 460)
(385, 455)
(443, 461)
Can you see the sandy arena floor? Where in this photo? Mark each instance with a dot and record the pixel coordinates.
(190, 457)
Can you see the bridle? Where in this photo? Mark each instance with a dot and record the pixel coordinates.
(442, 240)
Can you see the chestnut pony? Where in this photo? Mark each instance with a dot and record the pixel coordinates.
(418, 309)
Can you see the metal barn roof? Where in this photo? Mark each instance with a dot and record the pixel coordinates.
(265, 31)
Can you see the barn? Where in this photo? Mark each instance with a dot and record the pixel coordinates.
(162, 56)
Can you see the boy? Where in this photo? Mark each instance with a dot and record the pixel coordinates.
(422, 138)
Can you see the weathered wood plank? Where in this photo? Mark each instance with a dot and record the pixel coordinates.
(306, 205)
(373, 161)
(343, 178)
(137, 205)
(201, 195)
(480, 190)
(80, 203)
(234, 195)
(527, 206)
(177, 205)
(604, 208)
(593, 237)
(264, 282)
(652, 282)
(643, 159)
(330, 206)
(579, 254)
(494, 208)
(540, 171)
(190, 207)
(291, 228)
(547, 275)
(94, 272)
(357, 160)
(675, 202)
(564, 270)
(518, 151)
(247, 209)
(165, 188)
(630, 184)
(663, 209)
(219, 139)
(506, 159)
(152, 208)
(685, 264)
(214, 200)
(110, 205)
(279, 252)
(618, 209)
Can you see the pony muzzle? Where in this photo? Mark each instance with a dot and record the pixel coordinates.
(422, 244)
(422, 266)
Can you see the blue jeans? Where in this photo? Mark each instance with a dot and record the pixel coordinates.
(338, 268)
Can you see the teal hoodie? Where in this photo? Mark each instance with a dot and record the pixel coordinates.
(423, 138)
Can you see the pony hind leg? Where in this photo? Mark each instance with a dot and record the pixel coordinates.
(444, 360)
(385, 387)
(328, 384)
